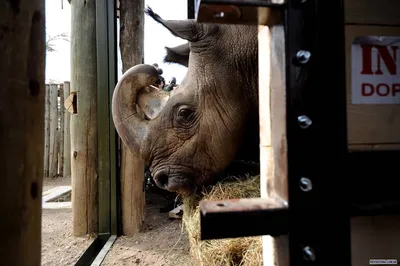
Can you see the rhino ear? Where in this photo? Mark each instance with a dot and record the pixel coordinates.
(186, 29)
(151, 101)
(178, 54)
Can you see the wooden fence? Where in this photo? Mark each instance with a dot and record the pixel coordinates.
(57, 154)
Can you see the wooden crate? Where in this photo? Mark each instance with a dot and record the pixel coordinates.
(374, 126)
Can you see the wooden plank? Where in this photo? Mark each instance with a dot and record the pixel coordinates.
(57, 205)
(22, 109)
(84, 122)
(132, 167)
(67, 135)
(382, 12)
(61, 135)
(371, 124)
(47, 132)
(53, 154)
(375, 237)
(56, 192)
(272, 110)
(374, 147)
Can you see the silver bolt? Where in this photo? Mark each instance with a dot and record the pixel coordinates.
(219, 15)
(305, 184)
(309, 253)
(304, 121)
(303, 56)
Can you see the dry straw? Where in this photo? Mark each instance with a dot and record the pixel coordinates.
(246, 251)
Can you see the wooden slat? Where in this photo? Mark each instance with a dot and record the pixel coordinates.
(382, 12)
(273, 167)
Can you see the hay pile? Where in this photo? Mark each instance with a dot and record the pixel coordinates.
(223, 252)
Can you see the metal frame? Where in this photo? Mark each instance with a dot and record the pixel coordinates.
(107, 137)
(316, 133)
(323, 176)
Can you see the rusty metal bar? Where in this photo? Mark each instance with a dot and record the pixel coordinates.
(242, 217)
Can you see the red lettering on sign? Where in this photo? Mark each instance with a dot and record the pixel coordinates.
(367, 89)
(383, 54)
(366, 60)
(395, 89)
(381, 89)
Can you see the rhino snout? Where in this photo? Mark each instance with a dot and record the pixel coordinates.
(172, 182)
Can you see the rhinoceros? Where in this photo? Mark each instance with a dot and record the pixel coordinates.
(190, 135)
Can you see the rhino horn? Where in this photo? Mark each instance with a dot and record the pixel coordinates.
(178, 54)
(186, 29)
(130, 125)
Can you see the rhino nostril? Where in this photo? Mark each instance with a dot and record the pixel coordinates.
(161, 179)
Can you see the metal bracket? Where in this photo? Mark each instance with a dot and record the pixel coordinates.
(248, 217)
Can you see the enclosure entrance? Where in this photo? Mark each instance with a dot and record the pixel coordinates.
(88, 173)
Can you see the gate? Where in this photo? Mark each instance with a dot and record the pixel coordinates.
(329, 108)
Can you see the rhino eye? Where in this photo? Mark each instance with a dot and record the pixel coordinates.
(185, 115)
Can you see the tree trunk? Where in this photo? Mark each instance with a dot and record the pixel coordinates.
(61, 131)
(67, 135)
(53, 154)
(132, 167)
(84, 122)
(22, 113)
(47, 133)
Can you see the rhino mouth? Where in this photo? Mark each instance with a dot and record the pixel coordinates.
(173, 181)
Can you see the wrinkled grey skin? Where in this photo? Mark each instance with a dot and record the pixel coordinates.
(211, 118)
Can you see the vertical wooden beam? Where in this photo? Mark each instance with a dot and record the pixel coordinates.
(47, 132)
(84, 122)
(61, 131)
(67, 135)
(273, 158)
(132, 167)
(22, 109)
(53, 154)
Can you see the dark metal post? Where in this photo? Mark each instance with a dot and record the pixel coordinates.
(319, 223)
(190, 9)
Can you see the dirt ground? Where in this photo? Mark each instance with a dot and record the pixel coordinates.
(162, 241)
(59, 247)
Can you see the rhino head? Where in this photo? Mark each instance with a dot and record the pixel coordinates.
(191, 134)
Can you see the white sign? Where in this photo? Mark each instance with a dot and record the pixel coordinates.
(375, 70)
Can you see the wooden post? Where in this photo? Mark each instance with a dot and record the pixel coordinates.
(22, 109)
(67, 135)
(273, 167)
(132, 167)
(84, 122)
(47, 132)
(53, 154)
(61, 132)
